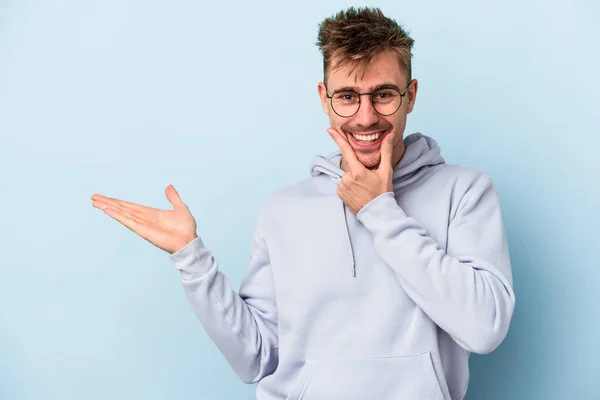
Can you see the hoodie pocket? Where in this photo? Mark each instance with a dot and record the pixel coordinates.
(382, 378)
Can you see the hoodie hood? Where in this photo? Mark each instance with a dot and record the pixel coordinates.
(421, 151)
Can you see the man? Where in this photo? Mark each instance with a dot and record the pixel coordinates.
(376, 277)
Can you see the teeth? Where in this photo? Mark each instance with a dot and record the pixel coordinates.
(367, 138)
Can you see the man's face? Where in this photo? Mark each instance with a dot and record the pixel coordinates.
(384, 70)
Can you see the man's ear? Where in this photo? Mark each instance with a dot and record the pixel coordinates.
(413, 86)
(323, 95)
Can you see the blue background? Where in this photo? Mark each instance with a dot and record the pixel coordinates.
(220, 99)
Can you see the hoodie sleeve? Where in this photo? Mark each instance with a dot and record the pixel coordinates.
(466, 290)
(244, 325)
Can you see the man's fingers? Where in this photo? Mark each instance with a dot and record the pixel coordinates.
(124, 209)
(347, 151)
(128, 220)
(385, 162)
(147, 213)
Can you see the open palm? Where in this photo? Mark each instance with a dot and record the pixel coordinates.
(169, 230)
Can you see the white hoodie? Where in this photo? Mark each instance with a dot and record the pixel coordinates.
(383, 305)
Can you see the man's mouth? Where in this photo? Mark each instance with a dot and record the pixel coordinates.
(369, 139)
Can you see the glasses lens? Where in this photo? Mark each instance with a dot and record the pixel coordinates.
(387, 101)
(345, 104)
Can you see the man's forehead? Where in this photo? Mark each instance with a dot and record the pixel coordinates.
(385, 69)
(371, 80)
(370, 88)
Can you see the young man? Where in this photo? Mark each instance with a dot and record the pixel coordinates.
(376, 277)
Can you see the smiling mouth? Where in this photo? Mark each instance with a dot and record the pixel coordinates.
(367, 139)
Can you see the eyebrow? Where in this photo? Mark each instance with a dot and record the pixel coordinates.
(372, 89)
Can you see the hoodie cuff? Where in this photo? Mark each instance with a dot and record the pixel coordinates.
(193, 260)
(377, 211)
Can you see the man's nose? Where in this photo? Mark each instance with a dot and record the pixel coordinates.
(366, 114)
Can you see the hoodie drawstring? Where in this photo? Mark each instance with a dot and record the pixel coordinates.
(349, 241)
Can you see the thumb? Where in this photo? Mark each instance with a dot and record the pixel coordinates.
(173, 197)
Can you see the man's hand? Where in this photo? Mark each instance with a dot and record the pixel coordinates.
(169, 230)
(360, 185)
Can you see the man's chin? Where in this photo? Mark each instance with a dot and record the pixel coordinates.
(370, 163)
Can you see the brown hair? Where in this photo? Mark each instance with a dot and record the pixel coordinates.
(357, 36)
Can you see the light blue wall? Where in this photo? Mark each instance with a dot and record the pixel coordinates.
(125, 97)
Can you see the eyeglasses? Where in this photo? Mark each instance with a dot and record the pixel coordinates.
(385, 101)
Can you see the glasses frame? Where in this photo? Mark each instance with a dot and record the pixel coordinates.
(330, 97)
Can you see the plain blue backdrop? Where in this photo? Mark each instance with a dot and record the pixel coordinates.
(220, 99)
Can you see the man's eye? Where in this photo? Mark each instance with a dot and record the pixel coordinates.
(385, 96)
(346, 96)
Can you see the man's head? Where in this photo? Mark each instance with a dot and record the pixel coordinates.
(366, 52)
